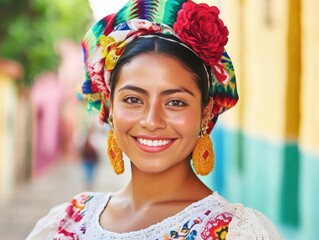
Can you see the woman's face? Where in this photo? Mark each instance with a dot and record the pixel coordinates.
(157, 112)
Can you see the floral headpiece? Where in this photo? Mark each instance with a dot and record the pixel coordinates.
(198, 27)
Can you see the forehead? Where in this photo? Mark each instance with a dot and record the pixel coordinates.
(156, 70)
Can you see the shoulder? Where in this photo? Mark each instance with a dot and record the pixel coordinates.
(234, 221)
(46, 227)
(248, 223)
(77, 208)
(65, 215)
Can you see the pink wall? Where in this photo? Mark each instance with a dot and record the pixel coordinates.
(46, 96)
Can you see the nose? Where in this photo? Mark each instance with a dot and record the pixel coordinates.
(153, 118)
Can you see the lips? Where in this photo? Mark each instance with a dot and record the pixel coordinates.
(153, 145)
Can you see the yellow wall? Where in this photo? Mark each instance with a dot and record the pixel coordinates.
(209, 2)
(231, 14)
(277, 78)
(309, 131)
(258, 40)
(7, 159)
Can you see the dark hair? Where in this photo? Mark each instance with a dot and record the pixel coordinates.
(158, 45)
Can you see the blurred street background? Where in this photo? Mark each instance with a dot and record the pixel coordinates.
(31, 201)
(266, 148)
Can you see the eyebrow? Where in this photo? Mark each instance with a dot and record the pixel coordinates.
(133, 88)
(165, 92)
(177, 90)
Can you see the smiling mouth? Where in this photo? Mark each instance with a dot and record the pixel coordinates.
(153, 143)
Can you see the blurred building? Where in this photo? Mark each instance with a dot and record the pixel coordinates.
(267, 148)
(12, 137)
(46, 98)
(38, 123)
(73, 113)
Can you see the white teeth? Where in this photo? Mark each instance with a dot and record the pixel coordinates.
(153, 143)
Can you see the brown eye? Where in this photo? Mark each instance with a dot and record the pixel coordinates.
(176, 103)
(132, 100)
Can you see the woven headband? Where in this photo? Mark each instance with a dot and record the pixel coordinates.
(197, 26)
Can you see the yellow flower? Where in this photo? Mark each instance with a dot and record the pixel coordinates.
(111, 51)
(105, 41)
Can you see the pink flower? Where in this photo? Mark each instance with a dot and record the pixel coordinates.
(199, 26)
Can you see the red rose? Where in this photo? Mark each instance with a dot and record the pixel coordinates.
(199, 26)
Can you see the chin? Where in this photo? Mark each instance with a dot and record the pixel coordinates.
(151, 169)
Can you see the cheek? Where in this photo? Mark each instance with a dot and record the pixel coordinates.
(187, 122)
(123, 117)
(122, 114)
(123, 121)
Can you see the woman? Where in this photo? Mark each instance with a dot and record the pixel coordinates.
(157, 72)
(89, 158)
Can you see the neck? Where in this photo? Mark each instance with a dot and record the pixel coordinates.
(171, 185)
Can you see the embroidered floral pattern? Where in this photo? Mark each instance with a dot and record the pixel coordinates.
(215, 229)
(80, 222)
(186, 232)
(74, 213)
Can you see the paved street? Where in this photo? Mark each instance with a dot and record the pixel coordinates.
(58, 185)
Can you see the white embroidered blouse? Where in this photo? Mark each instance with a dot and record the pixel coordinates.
(210, 218)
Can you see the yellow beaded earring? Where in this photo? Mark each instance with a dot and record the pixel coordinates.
(114, 152)
(203, 153)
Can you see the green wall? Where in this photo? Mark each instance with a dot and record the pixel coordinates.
(276, 178)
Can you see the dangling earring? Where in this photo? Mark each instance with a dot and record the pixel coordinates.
(114, 152)
(203, 153)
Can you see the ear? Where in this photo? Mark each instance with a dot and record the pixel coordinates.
(110, 109)
(207, 116)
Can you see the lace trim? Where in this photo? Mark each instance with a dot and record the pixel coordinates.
(250, 224)
(213, 202)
